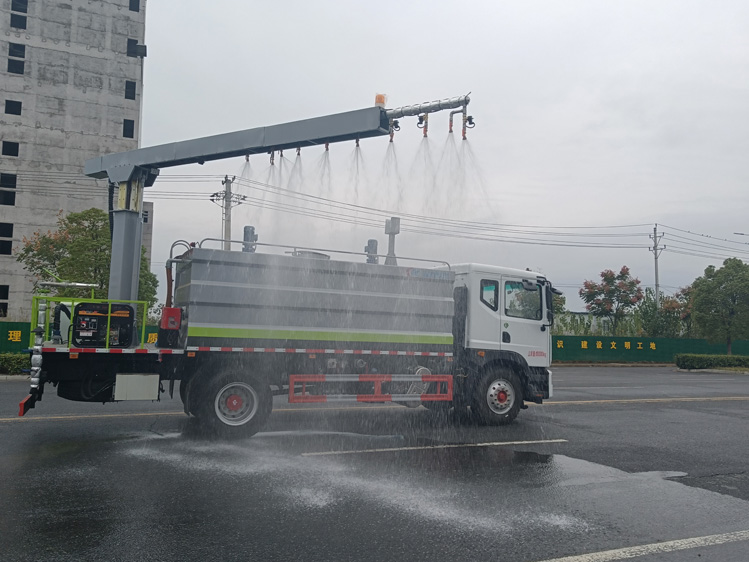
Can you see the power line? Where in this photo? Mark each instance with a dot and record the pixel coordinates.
(703, 235)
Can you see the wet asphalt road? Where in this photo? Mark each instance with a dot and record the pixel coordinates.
(623, 457)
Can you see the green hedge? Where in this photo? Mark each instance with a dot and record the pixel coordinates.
(694, 361)
(14, 363)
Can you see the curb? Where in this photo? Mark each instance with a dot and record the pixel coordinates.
(603, 364)
(14, 377)
(714, 371)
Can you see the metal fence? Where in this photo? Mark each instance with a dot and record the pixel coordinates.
(595, 349)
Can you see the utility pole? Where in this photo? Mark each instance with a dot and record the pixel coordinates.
(656, 252)
(227, 212)
(226, 200)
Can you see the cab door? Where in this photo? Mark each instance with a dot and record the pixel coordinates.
(523, 320)
(485, 318)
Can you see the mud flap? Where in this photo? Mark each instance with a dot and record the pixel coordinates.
(26, 404)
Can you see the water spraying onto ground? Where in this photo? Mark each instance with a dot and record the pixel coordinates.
(450, 178)
(443, 181)
(324, 175)
(245, 172)
(296, 178)
(477, 178)
(357, 175)
(391, 184)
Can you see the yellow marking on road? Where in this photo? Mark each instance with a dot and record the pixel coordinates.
(657, 548)
(87, 416)
(647, 400)
(427, 447)
(179, 413)
(71, 417)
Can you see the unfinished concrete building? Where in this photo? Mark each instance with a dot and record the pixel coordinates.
(70, 89)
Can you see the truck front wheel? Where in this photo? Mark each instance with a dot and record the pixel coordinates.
(233, 406)
(497, 398)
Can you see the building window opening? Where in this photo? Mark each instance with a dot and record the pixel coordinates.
(12, 107)
(10, 148)
(15, 66)
(8, 181)
(4, 293)
(17, 50)
(17, 21)
(128, 128)
(19, 6)
(6, 230)
(6, 246)
(7, 198)
(135, 5)
(129, 90)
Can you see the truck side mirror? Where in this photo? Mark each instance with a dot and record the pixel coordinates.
(550, 305)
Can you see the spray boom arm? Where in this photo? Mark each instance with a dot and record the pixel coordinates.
(135, 170)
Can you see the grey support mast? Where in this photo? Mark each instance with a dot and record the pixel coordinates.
(131, 172)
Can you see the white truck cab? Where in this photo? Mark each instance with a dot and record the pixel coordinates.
(508, 310)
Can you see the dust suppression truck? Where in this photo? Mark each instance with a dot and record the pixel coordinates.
(247, 325)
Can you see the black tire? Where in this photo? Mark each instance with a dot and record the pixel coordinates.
(231, 405)
(183, 394)
(497, 397)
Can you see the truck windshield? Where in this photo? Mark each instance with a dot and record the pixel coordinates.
(522, 303)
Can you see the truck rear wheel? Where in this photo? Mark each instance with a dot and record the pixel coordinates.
(232, 405)
(497, 398)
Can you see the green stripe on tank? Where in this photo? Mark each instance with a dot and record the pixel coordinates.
(314, 335)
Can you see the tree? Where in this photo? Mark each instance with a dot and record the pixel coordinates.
(663, 321)
(79, 251)
(685, 298)
(720, 302)
(558, 304)
(612, 297)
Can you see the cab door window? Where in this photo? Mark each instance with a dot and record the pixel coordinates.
(522, 303)
(490, 293)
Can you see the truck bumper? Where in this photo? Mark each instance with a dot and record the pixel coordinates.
(540, 386)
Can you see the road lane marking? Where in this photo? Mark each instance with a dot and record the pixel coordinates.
(365, 408)
(655, 548)
(427, 447)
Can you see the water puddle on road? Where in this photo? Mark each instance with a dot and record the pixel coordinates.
(485, 489)
(440, 485)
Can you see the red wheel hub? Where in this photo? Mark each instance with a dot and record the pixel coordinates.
(502, 397)
(234, 402)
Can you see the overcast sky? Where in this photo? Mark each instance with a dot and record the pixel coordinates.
(588, 114)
